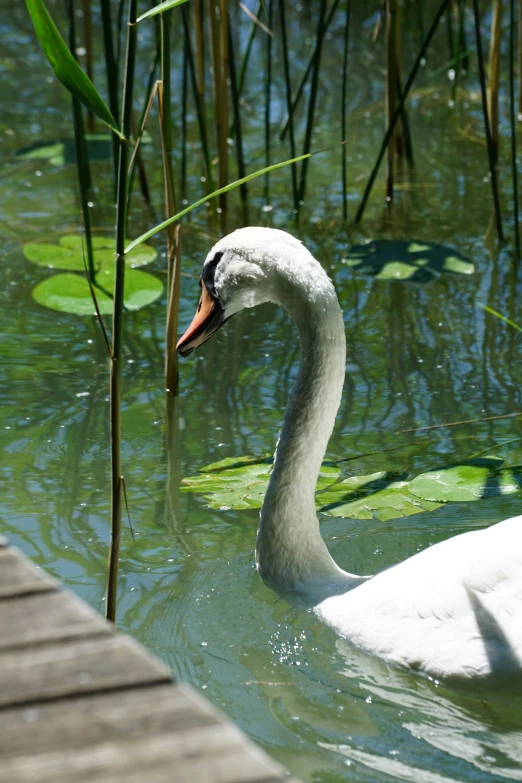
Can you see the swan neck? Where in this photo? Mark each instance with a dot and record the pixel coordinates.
(290, 552)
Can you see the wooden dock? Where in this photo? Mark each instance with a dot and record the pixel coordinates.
(81, 703)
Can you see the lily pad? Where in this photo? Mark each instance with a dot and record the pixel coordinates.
(459, 483)
(241, 482)
(68, 253)
(70, 293)
(378, 495)
(61, 151)
(393, 259)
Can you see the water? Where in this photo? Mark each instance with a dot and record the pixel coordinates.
(419, 354)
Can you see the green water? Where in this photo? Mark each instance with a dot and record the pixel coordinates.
(419, 354)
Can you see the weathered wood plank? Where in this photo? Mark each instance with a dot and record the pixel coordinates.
(82, 704)
(211, 754)
(107, 717)
(45, 617)
(71, 668)
(18, 576)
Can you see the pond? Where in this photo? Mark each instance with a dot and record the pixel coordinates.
(422, 353)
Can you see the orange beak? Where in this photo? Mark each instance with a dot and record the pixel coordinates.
(209, 317)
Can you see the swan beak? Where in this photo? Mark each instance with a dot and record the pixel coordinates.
(209, 317)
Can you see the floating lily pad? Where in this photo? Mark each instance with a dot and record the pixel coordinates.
(459, 483)
(53, 151)
(70, 293)
(241, 482)
(61, 151)
(393, 259)
(68, 253)
(378, 495)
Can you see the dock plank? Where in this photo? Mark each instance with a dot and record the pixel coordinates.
(81, 703)
(213, 754)
(98, 718)
(18, 576)
(71, 668)
(39, 618)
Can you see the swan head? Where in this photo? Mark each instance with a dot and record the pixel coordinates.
(244, 269)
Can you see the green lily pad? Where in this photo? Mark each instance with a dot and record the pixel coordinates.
(68, 253)
(70, 293)
(61, 151)
(378, 495)
(393, 259)
(53, 151)
(241, 482)
(460, 483)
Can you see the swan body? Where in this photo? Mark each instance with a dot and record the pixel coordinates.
(453, 610)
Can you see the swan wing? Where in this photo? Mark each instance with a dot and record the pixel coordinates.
(452, 610)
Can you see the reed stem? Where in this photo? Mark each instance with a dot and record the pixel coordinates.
(397, 112)
(520, 60)
(391, 89)
(343, 108)
(173, 259)
(184, 95)
(111, 70)
(268, 99)
(489, 140)
(306, 74)
(117, 321)
(288, 86)
(321, 29)
(512, 118)
(248, 49)
(200, 107)
(494, 76)
(243, 189)
(87, 34)
(220, 56)
(82, 154)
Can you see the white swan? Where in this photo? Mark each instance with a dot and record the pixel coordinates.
(451, 611)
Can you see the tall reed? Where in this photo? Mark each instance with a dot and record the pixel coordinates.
(117, 320)
(288, 86)
(520, 60)
(173, 244)
(321, 29)
(392, 15)
(494, 75)
(269, 5)
(344, 87)
(306, 73)
(489, 139)
(198, 99)
(111, 70)
(82, 155)
(238, 135)
(220, 67)
(89, 54)
(514, 169)
(391, 127)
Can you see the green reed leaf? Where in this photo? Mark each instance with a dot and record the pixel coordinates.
(64, 65)
(159, 9)
(152, 231)
(502, 317)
